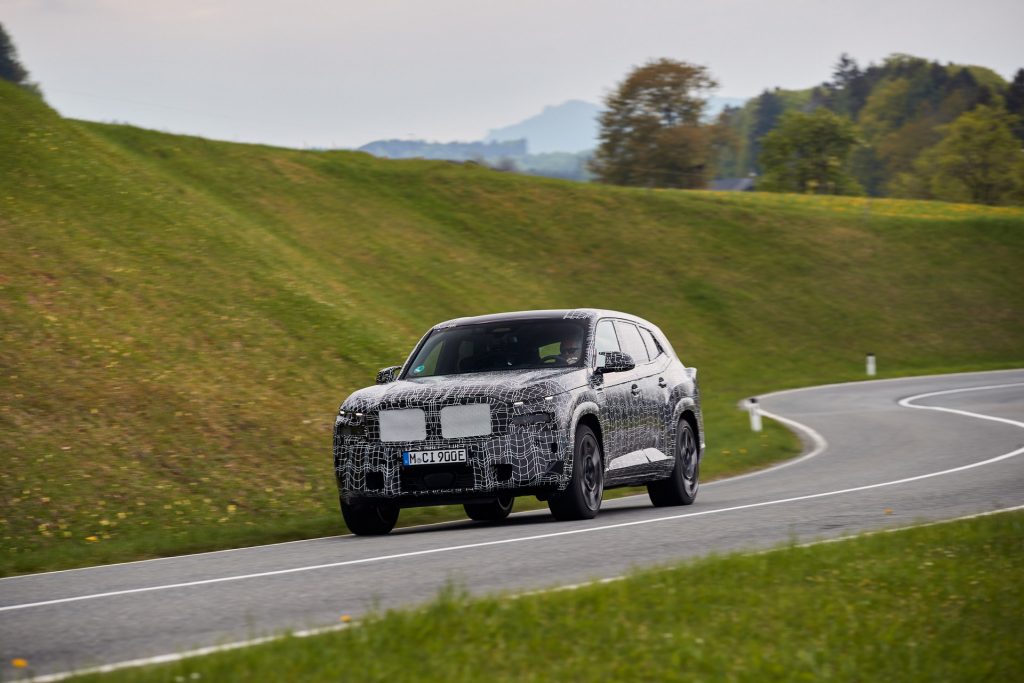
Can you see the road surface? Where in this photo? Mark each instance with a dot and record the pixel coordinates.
(871, 462)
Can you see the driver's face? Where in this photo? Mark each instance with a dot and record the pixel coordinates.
(570, 348)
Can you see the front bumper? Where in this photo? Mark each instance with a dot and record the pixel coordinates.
(524, 459)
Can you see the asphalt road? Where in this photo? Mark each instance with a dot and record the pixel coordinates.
(872, 463)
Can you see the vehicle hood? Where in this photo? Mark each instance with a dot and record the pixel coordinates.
(504, 386)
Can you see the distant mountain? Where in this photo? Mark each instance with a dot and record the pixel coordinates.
(572, 126)
(567, 127)
(453, 151)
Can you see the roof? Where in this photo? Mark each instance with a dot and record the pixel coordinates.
(562, 313)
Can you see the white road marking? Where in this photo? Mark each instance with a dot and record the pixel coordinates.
(906, 402)
(820, 444)
(178, 656)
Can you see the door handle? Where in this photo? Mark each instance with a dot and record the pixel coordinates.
(662, 383)
(635, 390)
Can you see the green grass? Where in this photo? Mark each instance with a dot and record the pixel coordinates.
(180, 318)
(936, 603)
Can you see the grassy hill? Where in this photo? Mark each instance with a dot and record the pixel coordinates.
(180, 318)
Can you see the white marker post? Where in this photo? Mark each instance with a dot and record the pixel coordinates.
(871, 365)
(755, 414)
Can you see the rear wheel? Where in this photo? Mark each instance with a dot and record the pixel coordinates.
(681, 486)
(494, 511)
(369, 519)
(582, 498)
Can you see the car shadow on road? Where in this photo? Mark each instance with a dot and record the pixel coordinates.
(528, 518)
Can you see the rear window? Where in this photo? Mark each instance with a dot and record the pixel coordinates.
(653, 347)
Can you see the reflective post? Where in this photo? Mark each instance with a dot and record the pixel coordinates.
(755, 414)
(871, 365)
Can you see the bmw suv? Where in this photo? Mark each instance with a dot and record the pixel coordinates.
(560, 405)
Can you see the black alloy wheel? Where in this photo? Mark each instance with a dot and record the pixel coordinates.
(681, 486)
(582, 498)
(369, 519)
(494, 511)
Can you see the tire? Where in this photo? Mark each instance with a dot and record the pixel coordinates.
(494, 511)
(582, 498)
(681, 486)
(369, 519)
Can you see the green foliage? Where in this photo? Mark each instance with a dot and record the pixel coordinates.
(978, 160)
(899, 107)
(809, 153)
(651, 131)
(935, 603)
(11, 68)
(1015, 103)
(180, 318)
(768, 109)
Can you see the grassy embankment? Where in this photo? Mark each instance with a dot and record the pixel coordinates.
(937, 603)
(180, 318)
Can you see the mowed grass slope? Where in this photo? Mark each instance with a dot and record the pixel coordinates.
(180, 318)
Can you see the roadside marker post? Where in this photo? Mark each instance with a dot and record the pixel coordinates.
(754, 408)
(871, 364)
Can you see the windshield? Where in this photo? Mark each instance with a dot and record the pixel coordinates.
(513, 345)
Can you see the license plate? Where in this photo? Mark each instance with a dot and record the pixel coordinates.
(451, 456)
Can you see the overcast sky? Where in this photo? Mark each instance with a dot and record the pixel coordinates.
(340, 73)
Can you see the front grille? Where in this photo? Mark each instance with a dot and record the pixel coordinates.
(471, 419)
(402, 425)
(474, 418)
(436, 477)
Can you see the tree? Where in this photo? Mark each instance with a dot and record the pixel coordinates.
(651, 132)
(768, 108)
(978, 160)
(809, 153)
(1015, 102)
(10, 67)
(849, 88)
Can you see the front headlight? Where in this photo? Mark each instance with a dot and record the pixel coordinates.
(349, 423)
(541, 417)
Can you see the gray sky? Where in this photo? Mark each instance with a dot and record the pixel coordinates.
(342, 73)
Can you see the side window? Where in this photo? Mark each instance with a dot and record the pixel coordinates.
(653, 347)
(605, 340)
(632, 342)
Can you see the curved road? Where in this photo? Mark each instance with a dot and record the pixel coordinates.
(871, 463)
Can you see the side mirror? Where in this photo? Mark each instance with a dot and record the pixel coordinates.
(616, 361)
(388, 374)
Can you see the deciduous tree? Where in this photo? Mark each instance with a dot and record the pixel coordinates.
(809, 153)
(652, 132)
(978, 160)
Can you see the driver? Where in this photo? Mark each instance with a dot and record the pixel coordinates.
(570, 348)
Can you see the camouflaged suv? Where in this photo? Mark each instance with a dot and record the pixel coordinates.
(560, 405)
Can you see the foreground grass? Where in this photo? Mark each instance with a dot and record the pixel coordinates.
(180, 318)
(937, 603)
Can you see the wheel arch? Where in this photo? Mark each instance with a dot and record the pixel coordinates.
(587, 414)
(686, 409)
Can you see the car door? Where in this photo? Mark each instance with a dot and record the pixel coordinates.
(660, 390)
(614, 397)
(642, 417)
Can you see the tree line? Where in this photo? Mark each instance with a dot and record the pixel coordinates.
(906, 127)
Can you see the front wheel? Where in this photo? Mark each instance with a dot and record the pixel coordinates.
(681, 486)
(369, 519)
(494, 511)
(582, 498)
